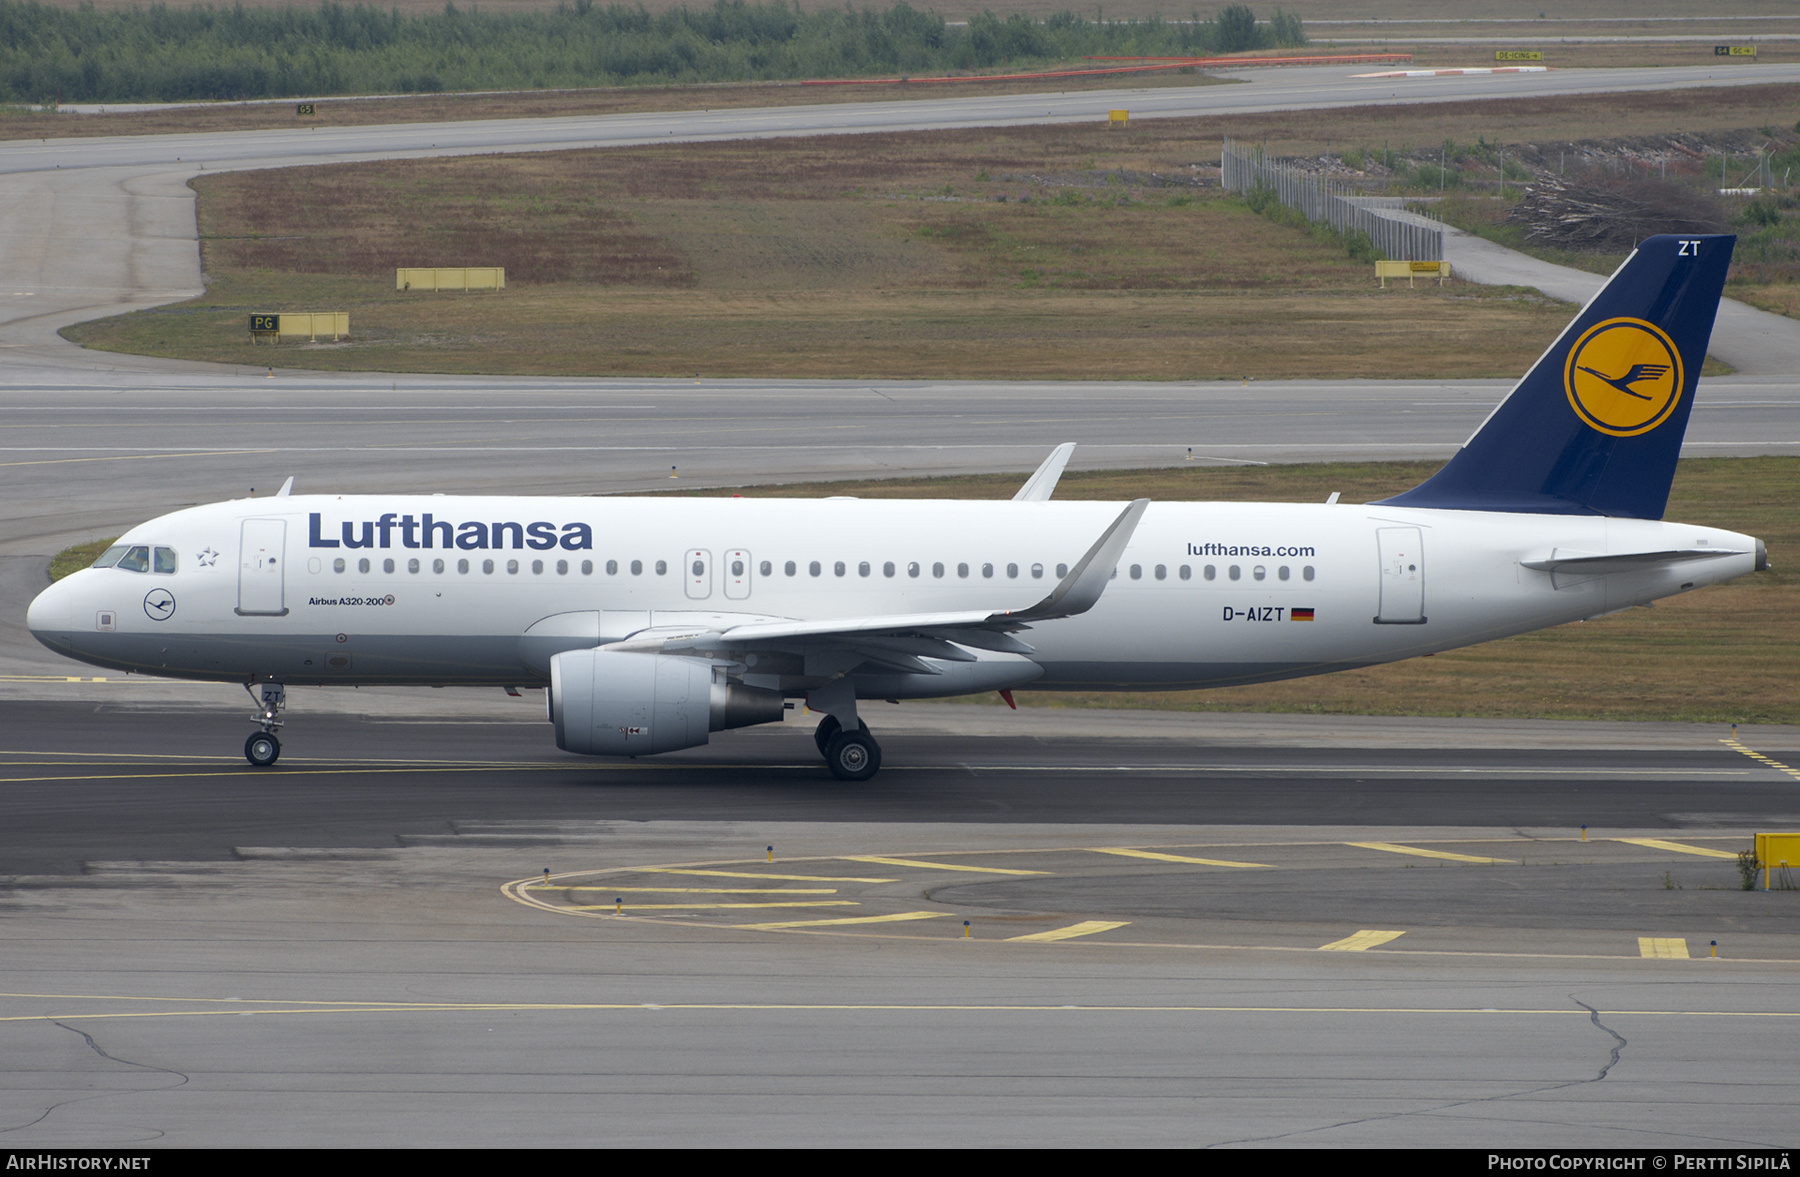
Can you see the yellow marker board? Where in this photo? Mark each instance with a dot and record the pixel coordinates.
(1518, 55)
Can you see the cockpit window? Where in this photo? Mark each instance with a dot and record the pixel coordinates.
(137, 559)
(165, 560)
(110, 556)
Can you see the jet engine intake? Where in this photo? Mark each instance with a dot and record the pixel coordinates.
(610, 703)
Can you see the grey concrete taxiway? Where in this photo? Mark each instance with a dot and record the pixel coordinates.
(1097, 929)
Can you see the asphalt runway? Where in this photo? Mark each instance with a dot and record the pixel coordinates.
(173, 785)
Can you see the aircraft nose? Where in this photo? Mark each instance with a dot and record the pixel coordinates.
(48, 618)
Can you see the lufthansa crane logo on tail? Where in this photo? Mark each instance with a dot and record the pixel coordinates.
(1623, 377)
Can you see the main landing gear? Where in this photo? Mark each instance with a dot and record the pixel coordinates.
(262, 749)
(850, 755)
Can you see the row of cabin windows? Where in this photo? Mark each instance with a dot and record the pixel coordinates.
(839, 568)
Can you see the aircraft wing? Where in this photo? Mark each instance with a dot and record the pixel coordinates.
(900, 640)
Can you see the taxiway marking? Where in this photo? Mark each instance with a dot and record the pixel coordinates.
(1396, 848)
(1361, 942)
(1677, 847)
(1084, 928)
(897, 917)
(917, 865)
(1735, 746)
(1155, 857)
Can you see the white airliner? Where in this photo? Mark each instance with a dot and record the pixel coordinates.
(657, 621)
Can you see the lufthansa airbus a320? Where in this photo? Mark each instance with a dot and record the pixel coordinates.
(654, 622)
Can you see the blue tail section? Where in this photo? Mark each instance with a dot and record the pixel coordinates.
(1596, 425)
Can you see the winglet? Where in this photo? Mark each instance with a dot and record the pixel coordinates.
(1081, 588)
(287, 488)
(1037, 488)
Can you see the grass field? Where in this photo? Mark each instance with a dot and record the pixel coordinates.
(1076, 251)
(1725, 654)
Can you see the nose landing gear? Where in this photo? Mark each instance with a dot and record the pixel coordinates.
(262, 749)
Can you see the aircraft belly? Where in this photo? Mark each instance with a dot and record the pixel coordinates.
(307, 658)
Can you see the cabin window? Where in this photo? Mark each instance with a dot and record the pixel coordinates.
(987, 570)
(387, 565)
(1210, 572)
(863, 568)
(814, 568)
(110, 556)
(1012, 570)
(1259, 572)
(662, 567)
(888, 569)
(612, 567)
(537, 567)
(1236, 573)
(838, 568)
(1162, 572)
(962, 570)
(562, 567)
(587, 567)
(362, 565)
(487, 566)
(789, 568)
(165, 560)
(937, 570)
(412, 565)
(699, 568)
(1282, 572)
(437, 565)
(462, 566)
(337, 565)
(1062, 570)
(637, 567)
(1306, 573)
(1137, 572)
(767, 568)
(1186, 572)
(512, 567)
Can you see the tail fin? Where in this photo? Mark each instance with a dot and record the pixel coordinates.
(1596, 425)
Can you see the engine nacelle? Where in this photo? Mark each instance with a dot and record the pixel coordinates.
(607, 703)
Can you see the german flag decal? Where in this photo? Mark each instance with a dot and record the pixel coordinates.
(1300, 614)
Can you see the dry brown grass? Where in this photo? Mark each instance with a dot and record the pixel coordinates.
(1724, 654)
(878, 255)
(889, 255)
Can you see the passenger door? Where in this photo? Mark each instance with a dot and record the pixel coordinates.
(262, 568)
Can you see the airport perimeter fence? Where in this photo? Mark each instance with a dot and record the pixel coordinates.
(1318, 199)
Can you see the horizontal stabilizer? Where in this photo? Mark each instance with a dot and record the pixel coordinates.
(1587, 563)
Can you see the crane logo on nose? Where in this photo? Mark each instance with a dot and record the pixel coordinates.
(159, 604)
